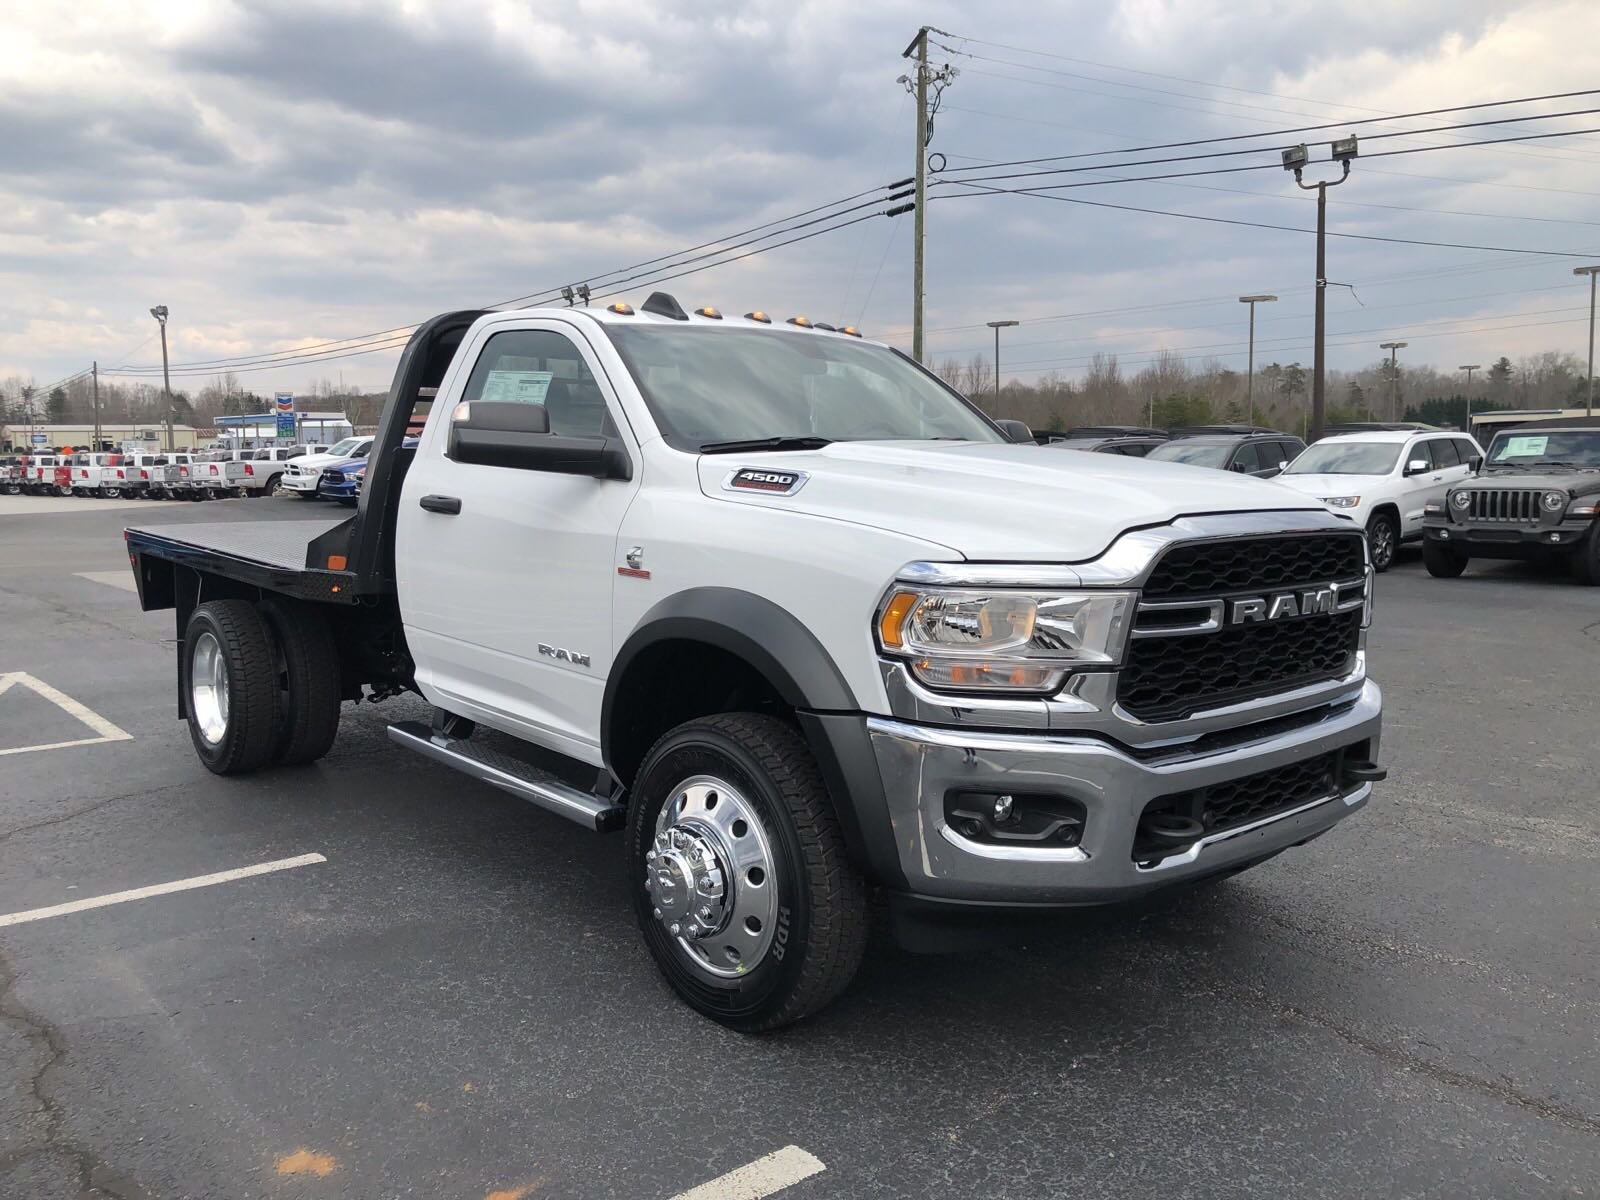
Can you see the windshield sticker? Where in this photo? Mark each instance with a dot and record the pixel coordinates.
(517, 387)
(1522, 447)
(773, 483)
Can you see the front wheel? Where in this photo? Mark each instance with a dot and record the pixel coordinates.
(1443, 562)
(275, 486)
(1585, 561)
(1383, 537)
(737, 866)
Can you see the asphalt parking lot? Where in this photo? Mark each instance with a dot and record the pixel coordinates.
(446, 997)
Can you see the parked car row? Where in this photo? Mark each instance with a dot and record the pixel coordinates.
(179, 475)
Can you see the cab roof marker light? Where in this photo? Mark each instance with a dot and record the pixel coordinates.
(801, 322)
(758, 315)
(850, 329)
(829, 328)
(708, 311)
(621, 308)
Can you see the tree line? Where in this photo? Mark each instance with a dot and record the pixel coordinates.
(1171, 392)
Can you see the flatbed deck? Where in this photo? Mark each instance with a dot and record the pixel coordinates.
(268, 554)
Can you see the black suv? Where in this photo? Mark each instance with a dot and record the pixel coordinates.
(1535, 496)
(1134, 441)
(1243, 448)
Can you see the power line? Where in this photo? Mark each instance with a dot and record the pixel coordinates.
(1101, 167)
(1271, 133)
(657, 277)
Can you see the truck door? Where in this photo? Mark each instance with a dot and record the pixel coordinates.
(505, 575)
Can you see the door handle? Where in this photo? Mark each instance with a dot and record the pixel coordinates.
(449, 505)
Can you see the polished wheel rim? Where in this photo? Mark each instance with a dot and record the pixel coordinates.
(208, 688)
(1382, 544)
(711, 878)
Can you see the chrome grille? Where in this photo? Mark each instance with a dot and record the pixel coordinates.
(1513, 505)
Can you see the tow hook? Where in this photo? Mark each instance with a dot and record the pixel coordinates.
(1171, 829)
(1358, 772)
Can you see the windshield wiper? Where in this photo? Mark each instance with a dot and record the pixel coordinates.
(793, 442)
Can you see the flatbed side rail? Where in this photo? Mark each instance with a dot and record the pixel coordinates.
(153, 558)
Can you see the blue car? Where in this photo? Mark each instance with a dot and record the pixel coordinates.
(343, 482)
(340, 482)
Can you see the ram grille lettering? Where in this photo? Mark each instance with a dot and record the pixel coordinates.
(1313, 602)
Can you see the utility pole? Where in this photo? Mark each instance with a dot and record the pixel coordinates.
(1294, 159)
(1469, 368)
(159, 312)
(919, 87)
(1394, 376)
(997, 326)
(1591, 272)
(94, 370)
(1250, 385)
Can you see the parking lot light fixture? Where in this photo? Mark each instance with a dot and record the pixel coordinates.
(1250, 380)
(1591, 272)
(1394, 377)
(997, 326)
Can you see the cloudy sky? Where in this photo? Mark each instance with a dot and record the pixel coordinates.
(284, 174)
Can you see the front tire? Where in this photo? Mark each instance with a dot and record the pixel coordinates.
(1443, 562)
(733, 840)
(1585, 563)
(230, 686)
(274, 486)
(1383, 539)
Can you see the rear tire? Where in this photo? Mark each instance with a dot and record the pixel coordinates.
(309, 682)
(1443, 562)
(741, 795)
(111, 493)
(230, 686)
(274, 486)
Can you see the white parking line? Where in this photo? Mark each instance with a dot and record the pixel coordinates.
(118, 579)
(767, 1176)
(105, 729)
(161, 889)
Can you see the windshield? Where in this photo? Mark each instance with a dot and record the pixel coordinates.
(1579, 448)
(1199, 454)
(1346, 458)
(711, 385)
(345, 447)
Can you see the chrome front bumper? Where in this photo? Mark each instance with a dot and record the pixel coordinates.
(921, 764)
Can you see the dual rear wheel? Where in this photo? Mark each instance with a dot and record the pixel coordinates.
(261, 684)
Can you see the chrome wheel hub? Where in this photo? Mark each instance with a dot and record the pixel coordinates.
(208, 688)
(709, 874)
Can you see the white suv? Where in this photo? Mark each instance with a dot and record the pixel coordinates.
(1383, 480)
(303, 476)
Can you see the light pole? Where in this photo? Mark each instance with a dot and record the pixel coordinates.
(997, 326)
(159, 312)
(1294, 159)
(1469, 368)
(1591, 272)
(1394, 377)
(1250, 384)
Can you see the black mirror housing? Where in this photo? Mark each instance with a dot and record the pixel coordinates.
(1016, 431)
(1476, 463)
(517, 436)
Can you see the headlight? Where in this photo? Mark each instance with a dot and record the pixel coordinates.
(1341, 501)
(1461, 499)
(967, 639)
(1554, 501)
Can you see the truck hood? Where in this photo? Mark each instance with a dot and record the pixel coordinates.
(1000, 503)
(320, 461)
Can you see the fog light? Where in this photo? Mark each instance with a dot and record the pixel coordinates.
(1444, 535)
(1002, 808)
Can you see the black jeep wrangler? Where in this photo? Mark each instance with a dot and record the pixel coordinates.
(1535, 496)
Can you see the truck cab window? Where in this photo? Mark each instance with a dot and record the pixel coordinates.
(537, 366)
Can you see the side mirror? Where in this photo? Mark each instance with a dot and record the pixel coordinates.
(1017, 431)
(1417, 466)
(1476, 463)
(1283, 465)
(496, 434)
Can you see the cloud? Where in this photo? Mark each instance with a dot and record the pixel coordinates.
(287, 173)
